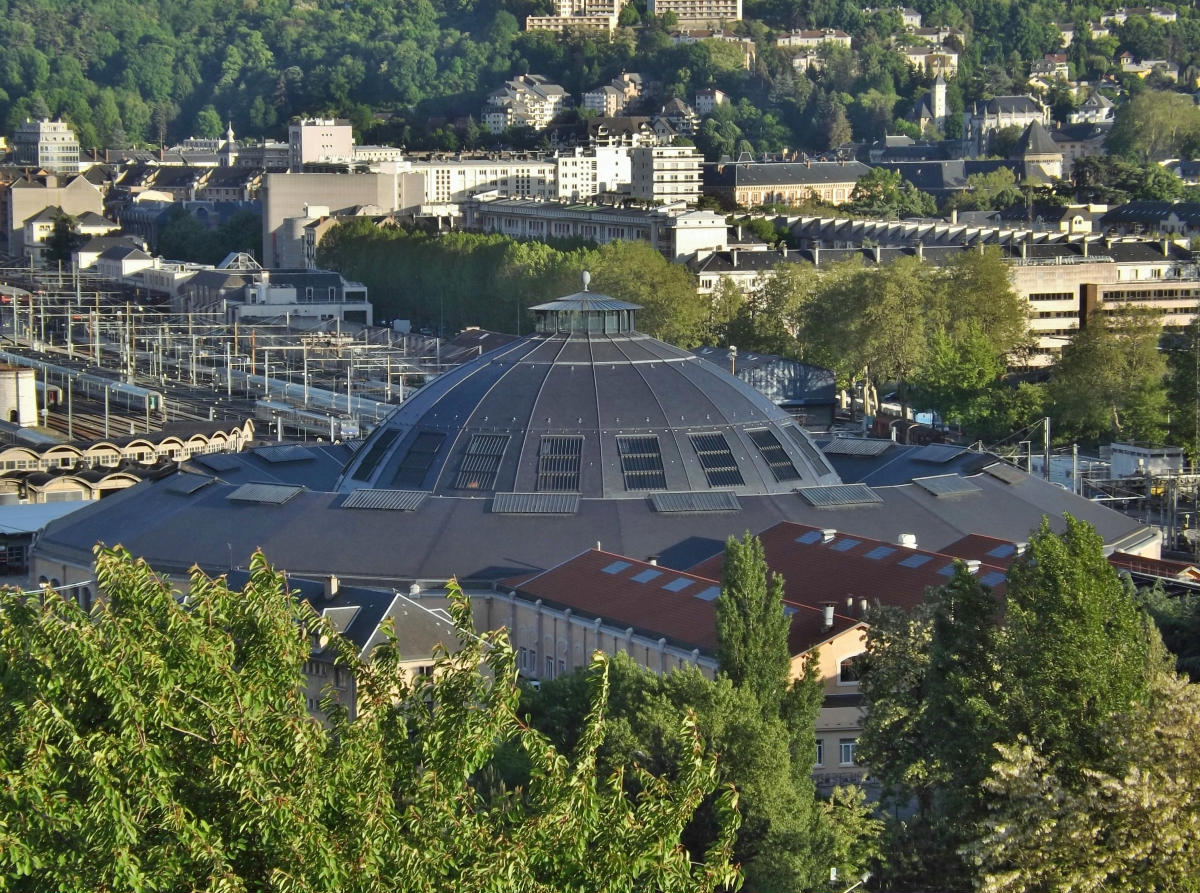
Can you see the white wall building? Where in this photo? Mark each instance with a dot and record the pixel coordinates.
(665, 174)
(314, 140)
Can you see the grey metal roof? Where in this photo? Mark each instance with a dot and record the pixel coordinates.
(287, 453)
(712, 501)
(388, 500)
(586, 300)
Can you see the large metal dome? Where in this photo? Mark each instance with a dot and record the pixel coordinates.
(589, 406)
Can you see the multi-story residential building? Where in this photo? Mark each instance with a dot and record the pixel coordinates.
(665, 174)
(578, 15)
(809, 39)
(748, 184)
(583, 173)
(319, 140)
(28, 195)
(528, 100)
(674, 233)
(1051, 65)
(606, 101)
(708, 100)
(454, 180)
(698, 12)
(49, 145)
(932, 59)
(1121, 14)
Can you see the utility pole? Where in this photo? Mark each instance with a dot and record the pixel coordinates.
(1046, 447)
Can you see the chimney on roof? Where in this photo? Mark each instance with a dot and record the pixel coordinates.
(878, 252)
(1024, 249)
(652, 561)
(954, 215)
(828, 534)
(920, 249)
(1166, 247)
(331, 587)
(1085, 246)
(733, 253)
(816, 252)
(973, 565)
(1021, 547)
(828, 616)
(849, 604)
(907, 540)
(863, 607)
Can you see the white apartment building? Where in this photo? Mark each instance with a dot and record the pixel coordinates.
(528, 100)
(665, 174)
(453, 180)
(698, 12)
(583, 173)
(46, 144)
(809, 39)
(314, 140)
(586, 15)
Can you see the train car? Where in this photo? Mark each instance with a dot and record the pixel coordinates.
(315, 422)
(48, 396)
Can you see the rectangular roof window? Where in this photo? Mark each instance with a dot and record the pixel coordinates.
(716, 458)
(558, 462)
(616, 567)
(641, 462)
(481, 461)
(813, 536)
(992, 578)
(710, 594)
(857, 446)
(819, 463)
(417, 462)
(880, 552)
(679, 583)
(916, 560)
(773, 454)
(711, 501)
(535, 503)
(845, 545)
(389, 500)
(947, 571)
(839, 494)
(374, 454)
(646, 576)
(1002, 551)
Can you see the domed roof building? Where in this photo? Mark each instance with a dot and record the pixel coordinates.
(586, 432)
(588, 406)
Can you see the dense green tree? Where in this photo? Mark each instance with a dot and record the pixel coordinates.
(947, 685)
(993, 191)
(159, 742)
(1183, 382)
(752, 628)
(64, 240)
(884, 193)
(1110, 380)
(1154, 125)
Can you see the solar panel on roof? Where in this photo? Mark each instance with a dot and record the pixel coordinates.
(265, 494)
(696, 501)
(535, 503)
(710, 594)
(880, 552)
(812, 536)
(390, 500)
(375, 453)
(1005, 472)
(947, 485)
(839, 494)
(641, 462)
(936, 453)
(856, 446)
(289, 453)
(187, 484)
(219, 461)
(558, 462)
(481, 462)
(616, 567)
(1002, 551)
(916, 560)
(774, 455)
(992, 578)
(845, 544)
(716, 458)
(646, 576)
(819, 463)
(678, 584)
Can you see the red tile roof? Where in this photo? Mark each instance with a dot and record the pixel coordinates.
(848, 568)
(657, 601)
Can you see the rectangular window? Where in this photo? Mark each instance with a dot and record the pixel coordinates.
(641, 463)
(820, 751)
(720, 468)
(773, 454)
(549, 667)
(419, 459)
(558, 463)
(480, 462)
(847, 750)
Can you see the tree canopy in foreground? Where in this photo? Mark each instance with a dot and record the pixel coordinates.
(161, 743)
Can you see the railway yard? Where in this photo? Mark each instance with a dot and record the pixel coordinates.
(110, 364)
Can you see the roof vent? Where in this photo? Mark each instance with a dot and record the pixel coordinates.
(828, 534)
(973, 565)
(828, 609)
(1021, 547)
(907, 540)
